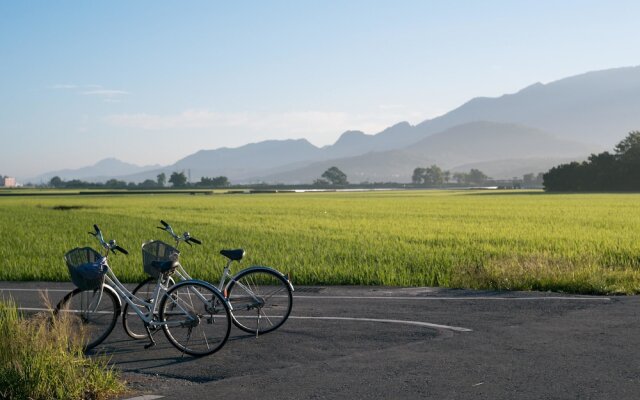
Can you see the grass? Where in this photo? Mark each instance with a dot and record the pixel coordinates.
(578, 243)
(38, 361)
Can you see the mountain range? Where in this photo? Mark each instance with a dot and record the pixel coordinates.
(532, 130)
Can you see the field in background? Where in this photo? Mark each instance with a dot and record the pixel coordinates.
(580, 243)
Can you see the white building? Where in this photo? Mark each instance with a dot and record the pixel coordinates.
(6, 181)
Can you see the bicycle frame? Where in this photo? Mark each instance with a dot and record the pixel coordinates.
(114, 283)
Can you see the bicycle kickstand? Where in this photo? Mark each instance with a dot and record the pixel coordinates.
(152, 342)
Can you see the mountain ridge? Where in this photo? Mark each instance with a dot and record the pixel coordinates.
(585, 112)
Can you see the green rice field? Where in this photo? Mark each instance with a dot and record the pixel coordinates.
(511, 240)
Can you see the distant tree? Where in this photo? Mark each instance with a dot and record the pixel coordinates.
(115, 184)
(418, 175)
(629, 147)
(178, 179)
(335, 176)
(433, 176)
(161, 179)
(473, 177)
(56, 182)
(219, 181)
(148, 184)
(320, 182)
(430, 176)
(477, 177)
(600, 172)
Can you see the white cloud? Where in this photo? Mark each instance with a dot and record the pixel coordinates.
(63, 86)
(105, 92)
(108, 95)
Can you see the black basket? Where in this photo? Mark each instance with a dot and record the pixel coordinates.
(86, 267)
(157, 250)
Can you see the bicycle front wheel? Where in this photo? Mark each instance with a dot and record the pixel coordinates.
(92, 314)
(261, 300)
(133, 325)
(196, 318)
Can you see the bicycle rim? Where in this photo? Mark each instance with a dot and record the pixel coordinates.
(91, 314)
(261, 300)
(197, 318)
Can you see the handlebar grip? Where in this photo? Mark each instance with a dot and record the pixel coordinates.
(96, 228)
(164, 224)
(120, 249)
(194, 240)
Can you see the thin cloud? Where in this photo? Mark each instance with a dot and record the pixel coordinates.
(105, 93)
(63, 86)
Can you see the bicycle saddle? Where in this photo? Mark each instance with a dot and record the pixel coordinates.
(235, 255)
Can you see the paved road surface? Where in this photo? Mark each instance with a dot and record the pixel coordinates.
(390, 343)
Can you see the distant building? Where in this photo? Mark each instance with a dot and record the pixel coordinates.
(6, 181)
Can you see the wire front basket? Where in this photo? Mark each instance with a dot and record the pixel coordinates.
(157, 250)
(85, 267)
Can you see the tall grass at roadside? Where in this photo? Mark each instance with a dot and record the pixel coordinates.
(579, 243)
(38, 361)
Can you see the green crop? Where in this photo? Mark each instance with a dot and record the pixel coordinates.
(515, 240)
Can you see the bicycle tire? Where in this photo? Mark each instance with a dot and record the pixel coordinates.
(274, 300)
(195, 305)
(91, 324)
(133, 325)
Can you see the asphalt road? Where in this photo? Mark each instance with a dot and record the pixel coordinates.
(390, 343)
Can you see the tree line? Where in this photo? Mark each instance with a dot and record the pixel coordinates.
(177, 180)
(619, 171)
(435, 176)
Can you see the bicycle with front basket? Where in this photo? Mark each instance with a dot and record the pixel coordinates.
(260, 297)
(193, 314)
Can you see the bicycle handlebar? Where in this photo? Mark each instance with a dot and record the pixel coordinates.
(186, 237)
(109, 246)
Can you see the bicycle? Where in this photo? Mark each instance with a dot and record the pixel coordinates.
(260, 297)
(193, 314)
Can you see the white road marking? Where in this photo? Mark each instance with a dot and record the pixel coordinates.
(471, 298)
(146, 397)
(386, 321)
(390, 321)
(35, 290)
(419, 298)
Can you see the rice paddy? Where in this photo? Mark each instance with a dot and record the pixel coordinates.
(503, 240)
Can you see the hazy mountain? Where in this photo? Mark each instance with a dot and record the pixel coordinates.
(238, 163)
(597, 107)
(476, 142)
(101, 171)
(486, 141)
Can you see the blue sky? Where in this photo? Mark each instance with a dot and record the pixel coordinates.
(150, 82)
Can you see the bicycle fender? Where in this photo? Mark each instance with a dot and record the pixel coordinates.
(260, 268)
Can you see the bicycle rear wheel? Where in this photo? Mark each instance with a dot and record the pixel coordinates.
(260, 298)
(91, 313)
(197, 318)
(133, 325)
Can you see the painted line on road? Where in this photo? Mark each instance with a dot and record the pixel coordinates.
(390, 321)
(386, 321)
(559, 298)
(146, 397)
(35, 290)
(420, 298)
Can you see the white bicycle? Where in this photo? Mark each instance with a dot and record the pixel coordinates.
(260, 297)
(194, 315)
